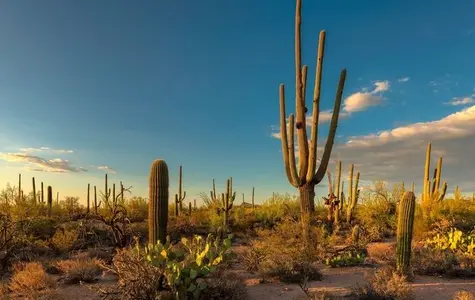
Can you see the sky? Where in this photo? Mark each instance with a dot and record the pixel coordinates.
(93, 87)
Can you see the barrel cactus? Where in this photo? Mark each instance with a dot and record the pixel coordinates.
(158, 202)
(404, 232)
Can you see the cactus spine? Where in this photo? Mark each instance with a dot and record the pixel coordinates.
(404, 232)
(306, 176)
(353, 193)
(50, 200)
(158, 202)
(181, 195)
(432, 195)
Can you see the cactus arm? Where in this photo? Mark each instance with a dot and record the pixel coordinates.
(286, 146)
(299, 99)
(316, 108)
(293, 167)
(442, 194)
(426, 187)
(438, 173)
(332, 131)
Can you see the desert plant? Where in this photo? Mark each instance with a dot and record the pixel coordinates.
(158, 202)
(226, 202)
(384, 284)
(31, 282)
(180, 196)
(404, 232)
(304, 178)
(432, 195)
(353, 193)
(80, 268)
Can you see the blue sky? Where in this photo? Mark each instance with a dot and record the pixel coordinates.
(121, 83)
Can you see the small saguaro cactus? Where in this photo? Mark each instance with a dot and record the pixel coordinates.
(432, 195)
(181, 194)
(88, 198)
(50, 200)
(226, 202)
(158, 202)
(331, 202)
(404, 232)
(252, 198)
(353, 193)
(42, 194)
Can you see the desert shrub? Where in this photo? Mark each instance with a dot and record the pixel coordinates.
(64, 240)
(273, 210)
(30, 281)
(382, 253)
(225, 286)
(460, 211)
(284, 252)
(181, 226)
(378, 219)
(39, 227)
(464, 295)
(252, 257)
(384, 284)
(80, 268)
(137, 209)
(427, 261)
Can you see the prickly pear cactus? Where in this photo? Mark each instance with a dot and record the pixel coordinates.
(404, 232)
(158, 202)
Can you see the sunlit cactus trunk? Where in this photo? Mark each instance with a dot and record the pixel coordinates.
(404, 232)
(158, 202)
(306, 175)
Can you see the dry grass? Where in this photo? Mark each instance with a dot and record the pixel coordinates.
(31, 282)
(385, 284)
(382, 253)
(80, 268)
(464, 295)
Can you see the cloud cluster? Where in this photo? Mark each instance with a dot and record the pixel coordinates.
(398, 154)
(362, 100)
(462, 100)
(36, 163)
(107, 169)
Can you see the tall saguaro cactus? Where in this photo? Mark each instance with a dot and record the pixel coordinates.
(432, 195)
(49, 199)
(306, 176)
(181, 194)
(404, 232)
(34, 190)
(158, 202)
(252, 198)
(353, 193)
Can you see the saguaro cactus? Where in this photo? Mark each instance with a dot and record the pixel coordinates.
(304, 177)
(181, 195)
(42, 194)
(88, 198)
(34, 190)
(252, 198)
(158, 202)
(432, 195)
(404, 232)
(50, 200)
(226, 202)
(353, 193)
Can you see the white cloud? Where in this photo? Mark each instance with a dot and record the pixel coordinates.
(107, 169)
(403, 79)
(398, 154)
(45, 149)
(462, 101)
(36, 163)
(360, 101)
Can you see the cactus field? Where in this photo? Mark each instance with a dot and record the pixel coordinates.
(379, 240)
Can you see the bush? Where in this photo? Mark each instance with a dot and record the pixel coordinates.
(385, 284)
(80, 268)
(31, 282)
(464, 295)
